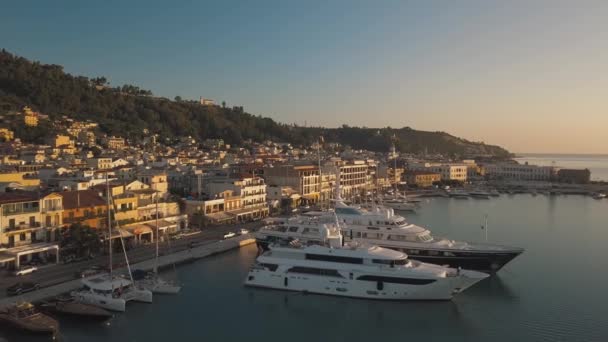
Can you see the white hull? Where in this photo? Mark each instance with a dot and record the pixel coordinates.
(441, 289)
(99, 300)
(139, 295)
(160, 286)
(401, 206)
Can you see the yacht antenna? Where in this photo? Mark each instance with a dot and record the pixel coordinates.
(485, 226)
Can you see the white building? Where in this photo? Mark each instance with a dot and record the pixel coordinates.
(513, 171)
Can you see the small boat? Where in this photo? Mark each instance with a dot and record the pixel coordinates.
(599, 195)
(480, 194)
(459, 194)
(24, 316)
(152, 282)
(72, 308)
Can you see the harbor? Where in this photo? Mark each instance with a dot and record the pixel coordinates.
(516, 304)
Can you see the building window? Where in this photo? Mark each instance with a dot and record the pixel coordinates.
(22, 237)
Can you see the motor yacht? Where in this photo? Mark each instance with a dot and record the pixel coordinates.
(381, 226)
(356, 270)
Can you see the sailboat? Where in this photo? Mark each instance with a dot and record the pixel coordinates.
(152, 281)
(108, 291)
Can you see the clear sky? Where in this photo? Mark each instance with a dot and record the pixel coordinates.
(529, 75)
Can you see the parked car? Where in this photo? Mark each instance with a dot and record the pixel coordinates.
(20, 288)
(26, 270)
(243, 232)
(229, 235)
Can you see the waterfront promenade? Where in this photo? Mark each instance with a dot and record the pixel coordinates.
(188, 250)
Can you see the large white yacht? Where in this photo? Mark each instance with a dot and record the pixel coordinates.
(381, 226)
(361, 271)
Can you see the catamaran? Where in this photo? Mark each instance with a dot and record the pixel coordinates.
(108, 291)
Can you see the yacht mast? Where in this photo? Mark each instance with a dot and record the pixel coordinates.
(109, 223)
(157, 237)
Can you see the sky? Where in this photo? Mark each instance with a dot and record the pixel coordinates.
(531, 76)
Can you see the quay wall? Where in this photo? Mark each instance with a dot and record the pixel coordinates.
(189, 255)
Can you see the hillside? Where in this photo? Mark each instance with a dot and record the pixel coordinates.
(127, 110)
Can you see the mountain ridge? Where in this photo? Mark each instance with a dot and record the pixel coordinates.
(128, 110)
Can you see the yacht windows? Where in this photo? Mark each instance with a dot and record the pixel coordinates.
(315, 271)
(390, 262)
(282, 229)
(396, 280)
(293, 229)
(373, 228)
(358, 234)
(271, 267)
(334, 258)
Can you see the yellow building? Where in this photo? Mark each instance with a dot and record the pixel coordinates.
(6, 134)
(23, 178)
(62, 141)
(30, 117)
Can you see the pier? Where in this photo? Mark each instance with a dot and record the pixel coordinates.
(184, 256)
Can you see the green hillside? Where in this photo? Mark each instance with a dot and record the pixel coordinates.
(127, 110)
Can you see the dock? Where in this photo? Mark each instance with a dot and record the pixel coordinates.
(185, 256)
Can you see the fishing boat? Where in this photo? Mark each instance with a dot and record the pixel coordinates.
(599, 195)
(25, 317)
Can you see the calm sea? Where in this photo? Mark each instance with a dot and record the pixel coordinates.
(596, 163)
(555, 291)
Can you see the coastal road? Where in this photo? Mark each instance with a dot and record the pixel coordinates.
(55, 274)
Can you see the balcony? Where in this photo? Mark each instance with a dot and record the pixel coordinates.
(22, 227)
(51, 208)
(7, 211)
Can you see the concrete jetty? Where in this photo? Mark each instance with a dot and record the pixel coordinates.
(194, 253)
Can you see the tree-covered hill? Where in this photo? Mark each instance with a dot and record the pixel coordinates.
(127, 110)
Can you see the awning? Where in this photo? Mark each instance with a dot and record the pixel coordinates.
(118, 233)
(140, 229)
(6, 257)
(221, 216)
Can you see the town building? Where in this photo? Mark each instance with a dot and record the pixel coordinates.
(30, 118)
(422, 179)
(6, 134)
(302, 178)
(576, 176)
(86, 207)
(448, 171)
(100, 163)
(115, 143)
(23, 233)
(515, 171)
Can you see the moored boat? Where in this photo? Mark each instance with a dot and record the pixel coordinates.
(24, 316)
(359, 271)
(72, 308)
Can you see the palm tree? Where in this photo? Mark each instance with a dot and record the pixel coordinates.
(82, 240)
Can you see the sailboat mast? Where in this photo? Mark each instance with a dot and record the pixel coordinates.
(109, 222)
(157, 237)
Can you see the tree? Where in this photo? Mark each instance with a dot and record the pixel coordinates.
(224, 104)
(178, 98)
(82, 240)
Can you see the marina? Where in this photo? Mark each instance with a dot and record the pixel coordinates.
(519, 303)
